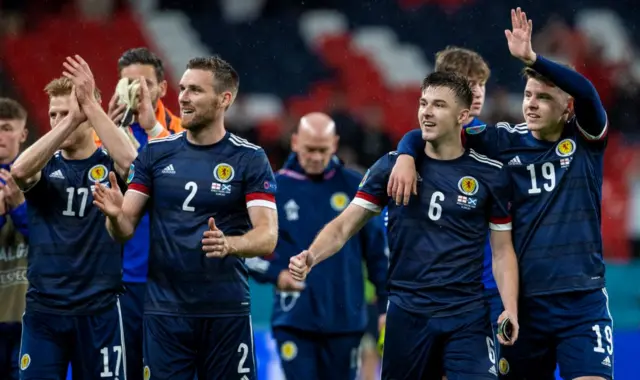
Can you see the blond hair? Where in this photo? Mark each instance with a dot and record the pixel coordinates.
(62, 87)
(462, 61)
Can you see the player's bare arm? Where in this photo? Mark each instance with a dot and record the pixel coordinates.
(259, 241)
(113, 138)
(403, 180)
(123, 211)
(505, 271)
(26, 170)
(330, 240)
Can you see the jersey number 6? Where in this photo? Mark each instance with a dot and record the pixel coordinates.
(435, 210)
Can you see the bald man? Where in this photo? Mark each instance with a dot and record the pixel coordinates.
(318, 325)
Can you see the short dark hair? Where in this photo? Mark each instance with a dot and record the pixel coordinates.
(142, 56)
(529, 73)
(11, 110)
(462, 61)
(225, 77)
(453, 81)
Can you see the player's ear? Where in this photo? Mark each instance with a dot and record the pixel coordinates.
(294, 142)
(227, 99)
(162, 88)
(569, 109)
(24, 134)
(462, 117)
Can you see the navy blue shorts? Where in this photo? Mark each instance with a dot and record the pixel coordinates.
(214, 348)
(93, 344)
(494, 303)
(9, 350)
(132, 303)
(573, 329)
(313, 356)
(422, 347)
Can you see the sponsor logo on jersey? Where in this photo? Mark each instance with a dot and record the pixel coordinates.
(468, 185)
(566, 148)
(132, 172)
(25, 360)
(339, 201)
(223, 173)
(364, 179)
(98, 173)
(503, 366)
(146, 373)
(288, 350)
(476, 129)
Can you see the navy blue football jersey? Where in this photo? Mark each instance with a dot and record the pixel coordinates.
(75, 267)
(556, 204)
(437, 242)
(186, 185)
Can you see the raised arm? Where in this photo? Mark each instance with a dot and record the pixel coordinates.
(26, 170)
(589, 111)
(114, 139)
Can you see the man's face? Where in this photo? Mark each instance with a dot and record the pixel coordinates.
(157, 89)
(544, 106)
(200, 105)
(478, 86)
(314, 152)
(439, 113)
(12, 134)
(59, 107)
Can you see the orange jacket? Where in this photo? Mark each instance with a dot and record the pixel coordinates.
(170, 122)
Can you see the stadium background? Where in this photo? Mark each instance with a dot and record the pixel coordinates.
(362, 62)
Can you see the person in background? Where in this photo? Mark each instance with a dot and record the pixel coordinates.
(152, 120)
(13, 239)
(318, 326)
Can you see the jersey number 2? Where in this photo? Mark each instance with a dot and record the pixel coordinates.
(548, 173)
(192, 188)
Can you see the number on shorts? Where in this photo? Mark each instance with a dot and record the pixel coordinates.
(491, 349)
(106, 371)
(244, 349)
(608, 335)
(354, 358)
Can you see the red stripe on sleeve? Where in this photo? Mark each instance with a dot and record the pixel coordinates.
(138, 187)
(503, 220)
(260, 196)
(369, 198)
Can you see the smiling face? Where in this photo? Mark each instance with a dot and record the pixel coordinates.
(440, 114)
(199, 103)
(544, 106)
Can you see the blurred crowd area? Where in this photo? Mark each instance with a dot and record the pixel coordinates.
(359, 61)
